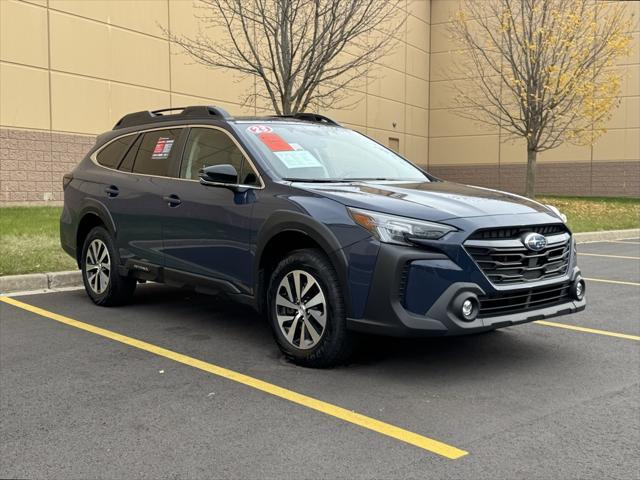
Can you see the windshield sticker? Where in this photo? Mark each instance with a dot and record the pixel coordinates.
(162, 149)
(275, 142)
(298, 159)
(259, 129)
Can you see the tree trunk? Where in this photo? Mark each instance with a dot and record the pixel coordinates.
(530, 190)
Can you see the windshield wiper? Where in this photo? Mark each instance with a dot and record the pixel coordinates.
(316, 180)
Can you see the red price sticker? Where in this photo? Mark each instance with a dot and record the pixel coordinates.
(275, 142)
(259, 129)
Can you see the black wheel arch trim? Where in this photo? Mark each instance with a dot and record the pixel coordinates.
(91, 206)
(286, 221)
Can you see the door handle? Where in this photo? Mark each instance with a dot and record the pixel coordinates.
(112, 191)
(172, 200)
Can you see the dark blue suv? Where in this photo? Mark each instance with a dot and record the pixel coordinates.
(321, 228)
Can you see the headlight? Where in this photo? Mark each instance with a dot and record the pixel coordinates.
(393, 229)
(555, 210)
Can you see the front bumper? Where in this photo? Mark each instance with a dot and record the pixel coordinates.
(412, 292)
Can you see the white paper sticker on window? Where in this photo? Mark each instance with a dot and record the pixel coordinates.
(298, 159)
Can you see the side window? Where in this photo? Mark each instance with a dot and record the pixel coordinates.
(127, 163)
(111, 155)
(156, 152)
(206, 147)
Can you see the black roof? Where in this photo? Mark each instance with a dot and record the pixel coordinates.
(207, 112)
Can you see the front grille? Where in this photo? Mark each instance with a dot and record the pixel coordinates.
(509, 261)
(516, 232)
(518, 301)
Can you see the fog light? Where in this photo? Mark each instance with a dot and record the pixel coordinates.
(467, 308)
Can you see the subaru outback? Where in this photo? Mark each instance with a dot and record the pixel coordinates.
(322, 229)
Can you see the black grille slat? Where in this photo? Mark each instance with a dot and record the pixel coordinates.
(515, 232)
(521, 300)
(517, 264)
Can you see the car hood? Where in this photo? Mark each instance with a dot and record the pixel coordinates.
(428, 201)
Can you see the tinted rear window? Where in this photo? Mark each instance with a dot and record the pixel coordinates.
(111, 155)
(156, 152)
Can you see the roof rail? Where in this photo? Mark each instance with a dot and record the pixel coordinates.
(310, 117)
(151, 116)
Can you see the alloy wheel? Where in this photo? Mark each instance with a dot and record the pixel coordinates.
(98, 266)
(301, 309)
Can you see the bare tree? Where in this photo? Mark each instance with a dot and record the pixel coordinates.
(541, 69)
(296, 48)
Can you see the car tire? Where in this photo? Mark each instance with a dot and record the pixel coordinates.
(99, 264)
(307, 312)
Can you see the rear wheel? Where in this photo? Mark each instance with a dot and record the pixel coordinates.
(306, 310)
(99, 266)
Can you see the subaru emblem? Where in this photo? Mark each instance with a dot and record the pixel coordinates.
(534, 241)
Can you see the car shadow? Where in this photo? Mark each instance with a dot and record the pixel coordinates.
(204, 317)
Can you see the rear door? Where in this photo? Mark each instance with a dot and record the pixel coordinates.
(134, 196)
(208, 233)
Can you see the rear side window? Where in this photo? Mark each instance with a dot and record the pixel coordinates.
(157, 151)
(111, 155)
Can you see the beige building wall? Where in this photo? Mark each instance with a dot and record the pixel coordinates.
(610, 167)
(69, 69)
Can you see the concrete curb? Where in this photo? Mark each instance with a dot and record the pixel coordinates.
(73, 278)
(40, 281)
(606, 235)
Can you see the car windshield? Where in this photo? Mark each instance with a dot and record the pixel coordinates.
(320, 153)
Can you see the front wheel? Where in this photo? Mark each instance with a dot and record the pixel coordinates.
(307, 312)
(99, 266)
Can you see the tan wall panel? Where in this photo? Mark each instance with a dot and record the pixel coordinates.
(631, 80)
(417, 149)
(42, 3)
(234, 109)
(621, 144)
(417, 92)
(463, 150)
(396, 58)
(79, 104)
(442, 10)
(142, 16)
(79, 46)
(417, 121)
(513, 150)
(138, 59)
(417, 33)
(355, 114)
(417, 62)
(566, 152)
(448, 123)
(382, 136)
(23, 33)
(627, 115)
(420, 9)
(387, 83)
(95, 9)
(443, 94)
(24, 97)
(382, 113)
(126, 99)
(194, 79)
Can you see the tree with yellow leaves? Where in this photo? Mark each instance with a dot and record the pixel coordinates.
(541, 69)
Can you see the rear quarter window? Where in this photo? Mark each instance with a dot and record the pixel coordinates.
(157, 151)
(111, 155)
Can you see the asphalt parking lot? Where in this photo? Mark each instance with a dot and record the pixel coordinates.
(150, 396)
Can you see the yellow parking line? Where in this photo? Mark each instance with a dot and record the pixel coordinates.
(588, 330)
(608, 256)
(617, 282)
(369, 423)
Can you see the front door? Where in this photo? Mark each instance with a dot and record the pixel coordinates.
(207, 231)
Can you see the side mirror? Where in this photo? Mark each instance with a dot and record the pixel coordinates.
(219, 175)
